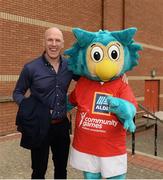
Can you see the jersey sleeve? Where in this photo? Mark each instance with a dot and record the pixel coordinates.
(72, 97)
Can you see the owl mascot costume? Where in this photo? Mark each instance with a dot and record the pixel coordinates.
(105, 104)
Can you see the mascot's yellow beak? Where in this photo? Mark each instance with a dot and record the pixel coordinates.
(106, 69)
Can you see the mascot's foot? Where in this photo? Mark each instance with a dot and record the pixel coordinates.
(123, 176)
(89, 175)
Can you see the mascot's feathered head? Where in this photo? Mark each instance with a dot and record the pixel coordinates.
(103, 55)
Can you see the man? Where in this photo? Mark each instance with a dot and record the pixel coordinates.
(48, 79)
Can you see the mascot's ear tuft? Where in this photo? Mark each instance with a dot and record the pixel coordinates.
(124, 36)
(83, 37)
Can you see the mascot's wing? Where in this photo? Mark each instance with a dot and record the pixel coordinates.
(124, 110)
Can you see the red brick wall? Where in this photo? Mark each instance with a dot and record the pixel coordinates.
(147, 16)
(21, 42)
(113, 14)
(7, 118)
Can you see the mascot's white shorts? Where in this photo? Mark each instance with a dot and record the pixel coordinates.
(107, 166)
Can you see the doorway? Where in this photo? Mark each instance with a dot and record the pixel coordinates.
(151, 98)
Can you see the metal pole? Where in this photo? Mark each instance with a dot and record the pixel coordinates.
(123, 20)
(102, 14)
(155, 141)
(133, 141)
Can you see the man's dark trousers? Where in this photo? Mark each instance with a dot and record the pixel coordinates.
(58, 139)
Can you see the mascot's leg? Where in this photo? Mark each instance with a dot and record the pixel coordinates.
(89, 175)
(123, 176)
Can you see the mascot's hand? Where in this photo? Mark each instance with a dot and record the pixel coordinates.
(69, 105)
(124, 110)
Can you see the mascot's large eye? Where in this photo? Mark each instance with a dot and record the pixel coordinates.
(97, 54)
(113, 52)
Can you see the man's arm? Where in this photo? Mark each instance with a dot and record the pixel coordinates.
(22, 86)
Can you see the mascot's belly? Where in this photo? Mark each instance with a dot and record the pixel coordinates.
(103, 136)
(97, 132)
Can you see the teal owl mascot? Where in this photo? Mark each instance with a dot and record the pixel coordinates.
(105, 104)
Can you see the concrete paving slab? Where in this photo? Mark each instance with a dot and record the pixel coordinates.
(15, 163)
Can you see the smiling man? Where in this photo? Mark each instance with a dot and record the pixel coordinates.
(48, 78)
(53, 45)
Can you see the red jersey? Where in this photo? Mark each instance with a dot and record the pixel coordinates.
(98, 132)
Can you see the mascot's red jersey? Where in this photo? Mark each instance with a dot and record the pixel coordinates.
(98, 132)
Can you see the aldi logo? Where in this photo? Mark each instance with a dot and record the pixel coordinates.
(100, 105)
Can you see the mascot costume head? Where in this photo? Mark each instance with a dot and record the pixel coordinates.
(103, 55)
(105, 104)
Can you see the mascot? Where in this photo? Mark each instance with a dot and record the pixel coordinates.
(105, 104)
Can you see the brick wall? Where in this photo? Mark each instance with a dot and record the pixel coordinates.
(147, 16)
(7, 118)
(23, 23)
(113, 14)
(21, 35)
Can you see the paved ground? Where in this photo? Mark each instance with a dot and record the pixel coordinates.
(15, 161)
(144, 141)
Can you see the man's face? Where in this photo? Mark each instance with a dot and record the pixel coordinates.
(53, 43)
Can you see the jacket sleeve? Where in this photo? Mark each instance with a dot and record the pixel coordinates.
(22, 85)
